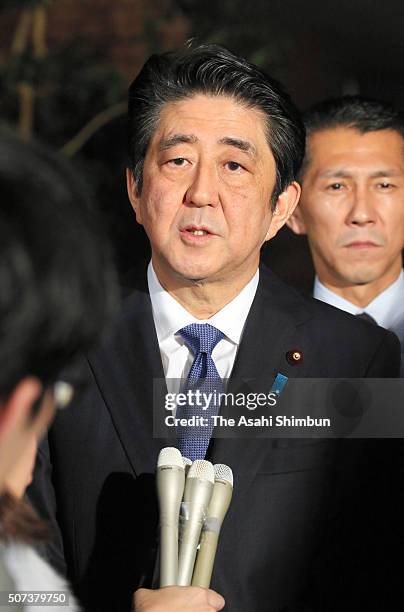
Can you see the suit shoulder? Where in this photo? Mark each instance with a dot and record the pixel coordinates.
(334, 330)
(320, 311)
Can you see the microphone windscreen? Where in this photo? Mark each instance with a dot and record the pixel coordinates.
(203, 470)
(170, 456)
(223, 472)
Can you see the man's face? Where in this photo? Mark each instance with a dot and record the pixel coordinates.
(352, 206)
(206, 198)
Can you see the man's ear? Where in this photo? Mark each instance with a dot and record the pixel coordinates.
(284, 208)
(296, 222)
(15, 411)
(133, 194)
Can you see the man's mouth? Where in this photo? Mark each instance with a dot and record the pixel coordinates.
(362, 244)
(198, 232)
(196, 235)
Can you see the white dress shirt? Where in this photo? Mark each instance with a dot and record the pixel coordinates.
(387, 308)
(169, 317)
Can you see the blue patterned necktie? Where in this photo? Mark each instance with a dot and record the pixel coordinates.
(201, 339)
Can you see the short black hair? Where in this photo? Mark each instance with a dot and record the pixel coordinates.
(58, 288)
(357, 112)
(213, 70)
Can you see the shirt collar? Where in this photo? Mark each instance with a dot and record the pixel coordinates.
(385, 308)
(388, 305)
(321, 292)
(169, 316)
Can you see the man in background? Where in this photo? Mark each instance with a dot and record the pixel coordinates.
(352, 207)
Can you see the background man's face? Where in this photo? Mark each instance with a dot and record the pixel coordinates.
(352, 206)
(206, 197)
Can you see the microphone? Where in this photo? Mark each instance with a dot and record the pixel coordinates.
(197, 494)
(187, 465)
(170, 479)
(218, 506)
(183, 507)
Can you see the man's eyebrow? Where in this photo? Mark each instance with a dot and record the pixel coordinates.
(243, 145)
(175, 139)
(386, 172)
(336, 173)
(344, 173)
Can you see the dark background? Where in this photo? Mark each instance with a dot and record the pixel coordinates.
(65, 66)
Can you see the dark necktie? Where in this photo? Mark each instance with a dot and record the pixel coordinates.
(366, 317)
(201, 339)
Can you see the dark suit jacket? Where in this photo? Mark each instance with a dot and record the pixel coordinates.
(95, 477)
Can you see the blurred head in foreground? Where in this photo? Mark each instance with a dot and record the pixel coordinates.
(57, 293)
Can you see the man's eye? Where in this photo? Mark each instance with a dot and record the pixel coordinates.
(385, 185)
(335, 186)
(233, 166)
(178, 161)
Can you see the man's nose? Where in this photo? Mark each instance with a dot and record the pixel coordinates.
(362, 209)
(204, 188)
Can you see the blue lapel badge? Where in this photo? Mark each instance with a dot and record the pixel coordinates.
(279, 383)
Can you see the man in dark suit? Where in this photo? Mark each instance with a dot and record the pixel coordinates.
(215, 145)
(352, 210)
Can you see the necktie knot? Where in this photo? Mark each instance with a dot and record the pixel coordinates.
(201, 337)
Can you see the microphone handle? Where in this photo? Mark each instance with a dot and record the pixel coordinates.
(188, 549)
(170, 487)
(168, 554)
(205, 559)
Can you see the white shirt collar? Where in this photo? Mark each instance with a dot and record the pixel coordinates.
(386, 309)
(169, 316)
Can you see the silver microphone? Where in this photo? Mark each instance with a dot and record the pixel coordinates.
(170, 479)
(217, 509)
(197, 494)
(183, 508)
(187, 465)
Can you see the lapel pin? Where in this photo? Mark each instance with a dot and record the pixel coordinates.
(279, 383)
(294, 357)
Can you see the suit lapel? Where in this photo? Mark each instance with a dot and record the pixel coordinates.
(126, 367)
(125, 370)
(273, 328)
(271, 331)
